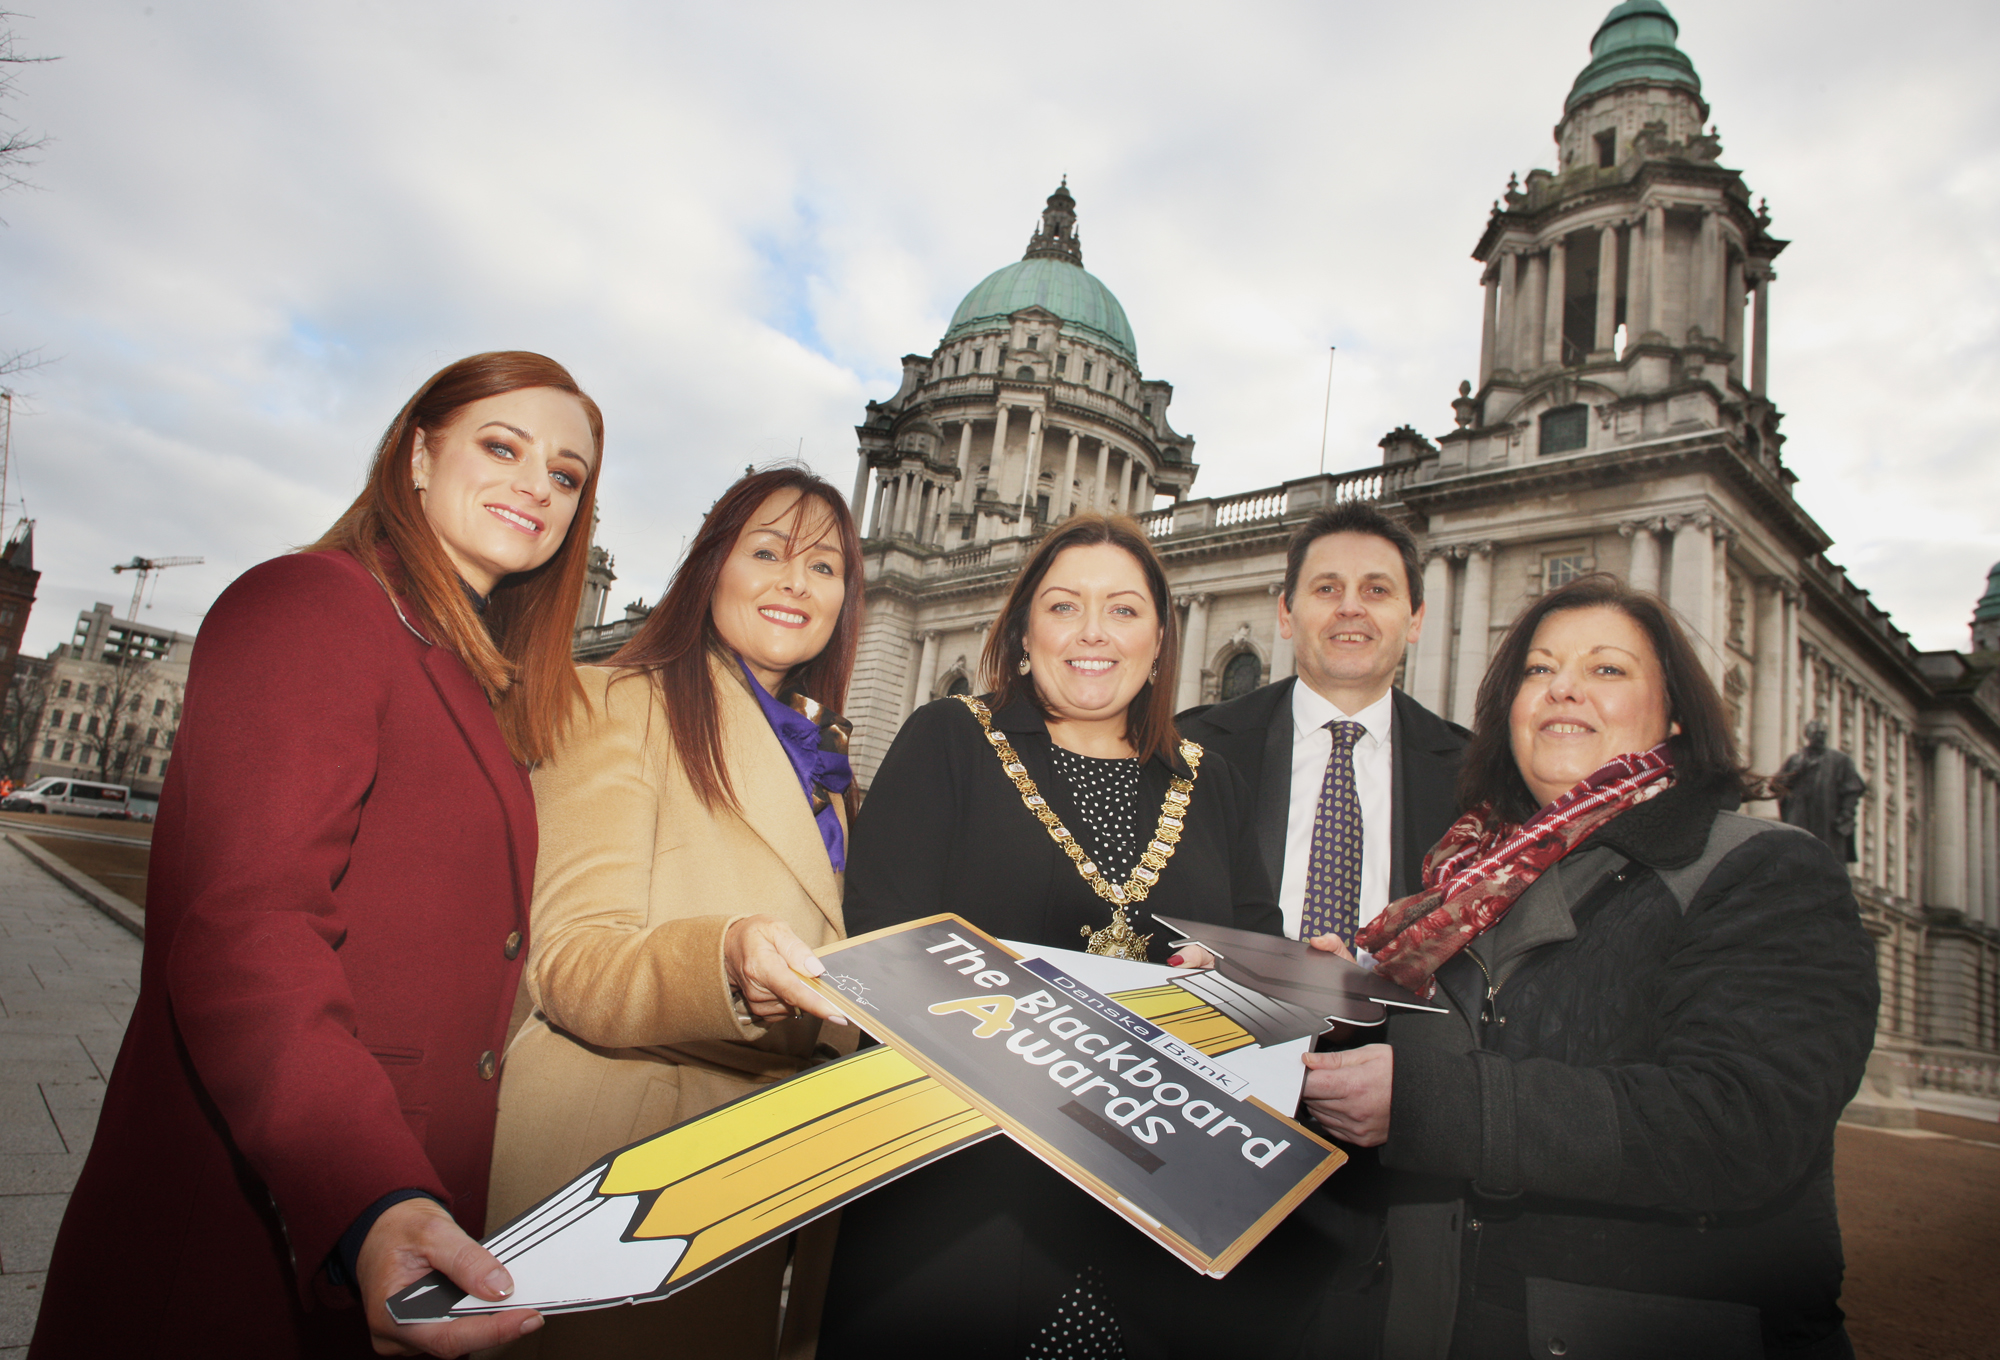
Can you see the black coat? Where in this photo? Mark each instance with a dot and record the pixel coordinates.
(943, 829)
(1650, 1108)
(1255, 733)
(969, 1256)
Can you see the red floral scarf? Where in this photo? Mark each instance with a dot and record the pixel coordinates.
(1473, 875)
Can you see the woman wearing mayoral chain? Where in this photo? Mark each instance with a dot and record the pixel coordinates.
(1059, 809)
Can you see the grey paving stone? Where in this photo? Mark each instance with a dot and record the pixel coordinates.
(53, 1174)
(20, 1300)
(75, 1107)
(45, 1057)
(26, 1126)
(60, 1017)
(103, 1049)
(28, 1226)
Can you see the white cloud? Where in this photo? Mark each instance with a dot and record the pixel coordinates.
(261, 226)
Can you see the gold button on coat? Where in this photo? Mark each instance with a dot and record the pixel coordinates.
(513, 949)
(486, 1065)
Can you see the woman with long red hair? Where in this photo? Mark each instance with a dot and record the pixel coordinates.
(694, 835)
(302, 1111)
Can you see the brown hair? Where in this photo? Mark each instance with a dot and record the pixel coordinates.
(1704, 748)
(1149, 722)
(520, 651)
(676, 640)
(1354, 517)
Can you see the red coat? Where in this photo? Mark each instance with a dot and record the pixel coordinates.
(336, 921)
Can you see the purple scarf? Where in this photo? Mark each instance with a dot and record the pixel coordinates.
(814, 738)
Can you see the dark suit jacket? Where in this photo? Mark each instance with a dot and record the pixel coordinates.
(1254, 733)
(345, 846)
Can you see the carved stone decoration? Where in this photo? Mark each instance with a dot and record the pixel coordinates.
(1819, 789)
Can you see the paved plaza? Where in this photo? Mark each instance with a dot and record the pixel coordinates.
(68, 977)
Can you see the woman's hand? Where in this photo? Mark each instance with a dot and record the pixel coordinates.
(1191, 956)
(1348, 1092)
(411, 1239)
(764, 959)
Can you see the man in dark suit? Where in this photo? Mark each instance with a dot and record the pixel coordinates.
(1353, 603)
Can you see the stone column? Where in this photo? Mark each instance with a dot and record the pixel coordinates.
(1607, 289)
(1433, 667)
(1060, 510)
(1486, 332)
(1506, 323)
(1645, 571)
(1692, 591)
(1975, 840)
(1142, 490)
(965, 465)
(1760, 342)
(881, 495)
(1534, 311)
(1656, 269)
(906, 505)
(1033, 475)
(1719, 612)
(1125, 486)
(1475, 619)
(1283, 657)
(1194, 651)
(855, 505)
(997, 466)
(1732, 320)
(1946, 885)
(927, 668)
(1555, 304)
(1707, 279)
(1767, 686)
(1879, 788)
(1638, 279)
(1103, 468)
(885, 523)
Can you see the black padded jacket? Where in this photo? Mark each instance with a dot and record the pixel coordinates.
(1624, 1129)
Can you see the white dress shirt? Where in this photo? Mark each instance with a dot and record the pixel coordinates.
(1374, 776)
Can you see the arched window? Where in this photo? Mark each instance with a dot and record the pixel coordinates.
(1024, 373)
(959, 686)
(1241, 675)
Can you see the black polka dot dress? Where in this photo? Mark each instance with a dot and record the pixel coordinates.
(1106, 796)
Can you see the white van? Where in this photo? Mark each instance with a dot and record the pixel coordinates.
(77, 797)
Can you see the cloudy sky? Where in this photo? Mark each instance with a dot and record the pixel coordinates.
(256, 228)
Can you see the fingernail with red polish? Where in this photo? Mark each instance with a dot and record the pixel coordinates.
(1174, 962)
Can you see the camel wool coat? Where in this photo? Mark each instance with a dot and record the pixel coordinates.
(632, 1026)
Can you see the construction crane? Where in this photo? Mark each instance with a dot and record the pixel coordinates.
(147, 567)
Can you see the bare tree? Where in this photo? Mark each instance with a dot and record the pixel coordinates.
(128, 712)
(19, 149)
(21, 716)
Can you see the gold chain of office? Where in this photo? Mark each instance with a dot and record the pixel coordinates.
(1118, 939)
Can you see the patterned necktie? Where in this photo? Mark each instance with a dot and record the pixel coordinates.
(1333, 866)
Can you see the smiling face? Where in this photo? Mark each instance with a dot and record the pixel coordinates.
(1591, 689)
(781, 588)
(1092, 638)
(500, 482)
(1350, 619)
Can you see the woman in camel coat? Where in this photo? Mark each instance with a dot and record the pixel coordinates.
(684, 874)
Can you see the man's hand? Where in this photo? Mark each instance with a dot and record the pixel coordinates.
(1348, 1092)
(764, 959)
(411, 1239)
(1331, 944)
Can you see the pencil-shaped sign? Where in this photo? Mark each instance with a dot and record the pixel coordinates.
(655, 1217)
(1160, 1131)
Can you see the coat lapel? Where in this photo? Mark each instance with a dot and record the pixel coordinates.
(767, 791)
(467, 704)
(1274, 787)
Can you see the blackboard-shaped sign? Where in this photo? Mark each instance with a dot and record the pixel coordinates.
(1163, 1134)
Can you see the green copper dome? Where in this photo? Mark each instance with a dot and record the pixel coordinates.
(1635, 42)
(1068, 290)
(1051, 275)
(1989, 603)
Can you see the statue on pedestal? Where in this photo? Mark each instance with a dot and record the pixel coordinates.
(1820, 790)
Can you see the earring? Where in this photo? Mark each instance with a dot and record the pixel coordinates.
(418, 485)
(1153, 674)
(1023, 668)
